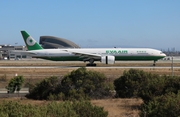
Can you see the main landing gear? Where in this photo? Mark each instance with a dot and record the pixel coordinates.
(91, 63)
(154, 64)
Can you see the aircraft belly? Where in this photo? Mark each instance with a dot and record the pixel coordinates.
(129, 58)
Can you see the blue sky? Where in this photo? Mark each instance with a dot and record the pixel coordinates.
(94, 23)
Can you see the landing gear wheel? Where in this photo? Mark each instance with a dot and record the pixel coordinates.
(154, 63)
(90, 64)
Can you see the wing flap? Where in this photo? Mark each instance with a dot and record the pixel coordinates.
(85, 55)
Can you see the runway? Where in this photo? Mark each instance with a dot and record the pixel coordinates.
(76, 67)
(43, 64)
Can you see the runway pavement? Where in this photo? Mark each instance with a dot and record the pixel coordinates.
(44, 64)
(75, 67)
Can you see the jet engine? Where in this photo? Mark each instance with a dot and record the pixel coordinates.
(108, 59)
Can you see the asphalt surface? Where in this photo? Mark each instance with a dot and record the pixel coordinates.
(113, 67)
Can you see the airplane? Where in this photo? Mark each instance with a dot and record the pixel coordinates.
(104, 55)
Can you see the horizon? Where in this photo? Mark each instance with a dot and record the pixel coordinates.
(149, 24)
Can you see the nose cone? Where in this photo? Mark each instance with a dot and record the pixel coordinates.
(163, 55)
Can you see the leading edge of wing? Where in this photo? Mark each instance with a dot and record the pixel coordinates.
(23, 52)
(83, 54)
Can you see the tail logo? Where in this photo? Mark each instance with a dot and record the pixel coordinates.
(30, 41)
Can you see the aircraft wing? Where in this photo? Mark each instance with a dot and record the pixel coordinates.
(23, 52)
(85, 55)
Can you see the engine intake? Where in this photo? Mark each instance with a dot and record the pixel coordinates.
(108, 59)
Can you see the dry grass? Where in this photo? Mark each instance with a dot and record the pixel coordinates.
(120, 107)
(109, 72)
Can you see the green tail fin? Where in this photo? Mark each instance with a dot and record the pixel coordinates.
(30, 42)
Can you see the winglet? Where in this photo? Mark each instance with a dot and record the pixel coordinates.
(30, 42)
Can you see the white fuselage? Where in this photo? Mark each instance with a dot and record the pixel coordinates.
(118, 53)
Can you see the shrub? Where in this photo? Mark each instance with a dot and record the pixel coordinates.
(131, 82)
(160, 94)
(86, 109)
(52, 109)
(43, 89)
(15, 84)
(137, 83)
(79, 84)
(167, 105)
(82, 83)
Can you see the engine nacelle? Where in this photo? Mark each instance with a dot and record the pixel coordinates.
(108, 59)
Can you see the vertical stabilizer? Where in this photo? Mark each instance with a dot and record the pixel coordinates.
(30, 42)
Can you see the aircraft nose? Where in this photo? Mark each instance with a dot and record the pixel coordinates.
(163, 54)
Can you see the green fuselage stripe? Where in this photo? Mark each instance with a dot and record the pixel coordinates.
(117, 58)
